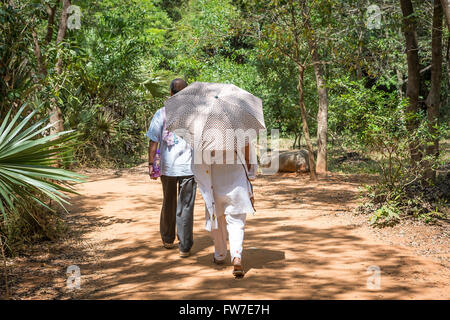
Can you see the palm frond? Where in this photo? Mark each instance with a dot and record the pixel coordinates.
(26, 159)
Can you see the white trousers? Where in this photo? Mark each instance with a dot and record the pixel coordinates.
(234, 224)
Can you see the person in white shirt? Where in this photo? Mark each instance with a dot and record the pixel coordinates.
(176, 175)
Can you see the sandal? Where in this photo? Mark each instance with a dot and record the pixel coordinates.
(238, 270)
(168, 245)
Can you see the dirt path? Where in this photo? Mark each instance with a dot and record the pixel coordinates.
(303, 243)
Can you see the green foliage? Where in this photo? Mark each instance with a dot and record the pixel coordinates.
(214, 42)
(118, 66)
(373, 121)
(388, 214)
(202, 39)
(15, 56)
(365, 116)
(208, 23)
(112, 83)
(424, 202)
(28, 178)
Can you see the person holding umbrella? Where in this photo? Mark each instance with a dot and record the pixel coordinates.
(208, 113)
(228, 195)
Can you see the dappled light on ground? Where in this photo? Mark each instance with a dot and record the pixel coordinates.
(302, 243)
(296, 247)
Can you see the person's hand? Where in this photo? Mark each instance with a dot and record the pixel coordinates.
(252, 170)
(150, 171)
(252, 200)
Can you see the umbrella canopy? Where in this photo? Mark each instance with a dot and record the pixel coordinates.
(212, 113)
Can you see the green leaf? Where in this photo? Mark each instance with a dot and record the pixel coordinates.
(26, 174)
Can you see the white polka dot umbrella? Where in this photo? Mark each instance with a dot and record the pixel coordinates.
(214, 116)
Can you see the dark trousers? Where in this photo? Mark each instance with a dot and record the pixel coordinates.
(178, 212)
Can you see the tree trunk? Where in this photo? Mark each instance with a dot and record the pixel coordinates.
(62, 32)
(446, 8)
(37, 52)
(322, 113)
(50, 22)
(51, 11)
(312, 163)
(56, 114)
(413, 87)
(447, 58)
(295, 140)
(434, 96)
(322, 91)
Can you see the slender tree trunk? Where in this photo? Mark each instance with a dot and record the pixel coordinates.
(56, 114)
(413, 88)
(322, 113)
(312, 164)
(37, 52)
(446, 8)
(51, 11)
(322, 91)
(62, 32)
(447, 58)
(433, 100)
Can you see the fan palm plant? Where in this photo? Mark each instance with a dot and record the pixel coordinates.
(27, 156)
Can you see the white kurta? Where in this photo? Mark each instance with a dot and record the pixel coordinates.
(225, 189)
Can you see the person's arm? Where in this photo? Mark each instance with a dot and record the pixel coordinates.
(247, 156)
(154, 134)
(152, 147)
(252, 167)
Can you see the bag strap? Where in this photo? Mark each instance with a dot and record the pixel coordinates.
(248, 179)
(244, 164)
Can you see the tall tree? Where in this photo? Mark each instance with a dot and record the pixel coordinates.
(322, 113)
(433, 100)
(57, 116)
(413, 86)
(445, 4)
(294, 28)
(284, 32)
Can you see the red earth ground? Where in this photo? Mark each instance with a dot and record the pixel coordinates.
(304, 242)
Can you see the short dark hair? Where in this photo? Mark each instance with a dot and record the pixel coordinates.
(177, 85)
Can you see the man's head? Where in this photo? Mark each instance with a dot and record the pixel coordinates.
(177, 85)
